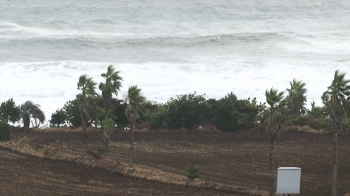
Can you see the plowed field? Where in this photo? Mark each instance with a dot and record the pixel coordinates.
(25, 175)
(229, 158)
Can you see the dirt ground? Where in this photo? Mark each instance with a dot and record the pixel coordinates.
(239, 159)
(27, 175)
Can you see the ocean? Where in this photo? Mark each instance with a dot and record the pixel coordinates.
(171, 47)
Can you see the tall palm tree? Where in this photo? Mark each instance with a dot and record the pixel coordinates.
(134, 101)
(30, 110)
(111, 86)
(296, 99)
(87, 87)
(336, 100)
(271, 123)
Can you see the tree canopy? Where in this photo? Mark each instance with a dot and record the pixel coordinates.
(111, 86)
(9, 112)
(30, 110)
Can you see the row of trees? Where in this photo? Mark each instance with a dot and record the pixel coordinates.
(336, 100)
(87, 102)
(28, 112)
(185, 111)
(182, 111)
(88, 107)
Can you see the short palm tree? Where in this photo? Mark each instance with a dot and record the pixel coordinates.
(30, 110)
(87, 87)
(134, 101)
(111, 86)
(271, 123)
(336, 100)
(296, 98)
(39, 117)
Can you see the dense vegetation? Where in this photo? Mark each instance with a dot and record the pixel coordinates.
(90, 108)
(4, 131)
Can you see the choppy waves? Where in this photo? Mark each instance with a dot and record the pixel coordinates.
(171, 47)
(21, 43)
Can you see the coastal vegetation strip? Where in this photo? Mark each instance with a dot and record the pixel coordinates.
(191, 111)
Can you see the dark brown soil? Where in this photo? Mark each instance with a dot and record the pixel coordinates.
(239, 159)
(26, 175)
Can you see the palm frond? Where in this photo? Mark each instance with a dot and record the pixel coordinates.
(87, 85)
(336, 99)
(30, 110)
(111, 86)
(134, 101)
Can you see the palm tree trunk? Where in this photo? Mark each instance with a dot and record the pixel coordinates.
(106, 112)
(105, 137)
(335, 169)
(131, 155)
(84, 127)
(26, 121)
(95, 119)
(85, 136)
(272, 176)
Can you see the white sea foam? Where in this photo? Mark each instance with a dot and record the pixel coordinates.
(51, 84)
(171, 47)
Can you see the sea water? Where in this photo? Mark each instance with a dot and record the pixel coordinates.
(171, 47)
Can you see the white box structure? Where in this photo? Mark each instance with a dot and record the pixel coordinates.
(288, 180)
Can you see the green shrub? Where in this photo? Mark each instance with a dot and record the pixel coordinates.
(316, 123)
(157, 117)
(4, 131)
(294, 121)
(93, 154)
(102, 150)
(346, 125)
(320, 123)
(192, 172)
(108, 123)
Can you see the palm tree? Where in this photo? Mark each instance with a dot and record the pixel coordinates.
(87, 87)
(38, 115)
(336, 100)
(110, 87)
(30, 110)
(271, 123)
(296, 99)
(134, 101)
